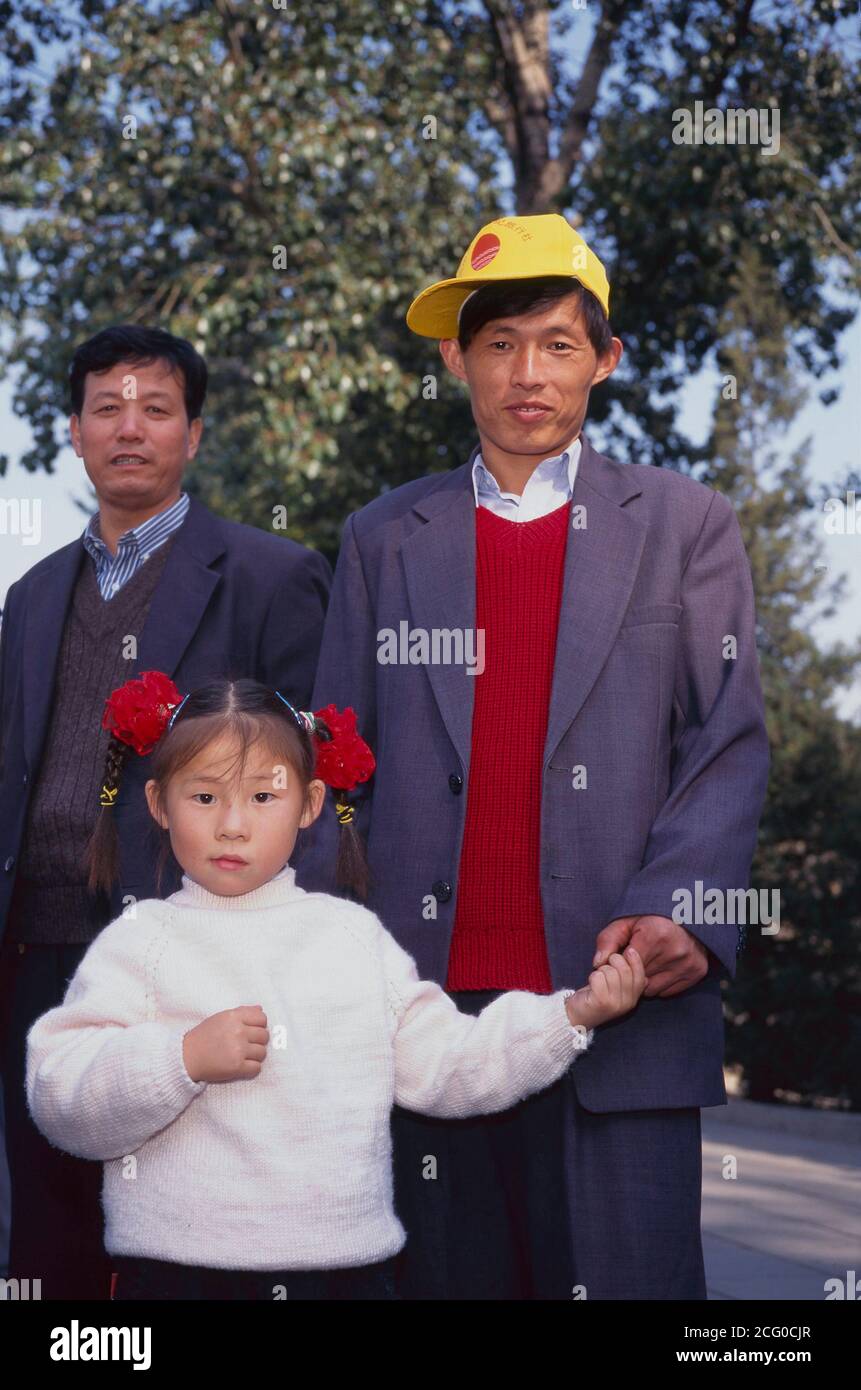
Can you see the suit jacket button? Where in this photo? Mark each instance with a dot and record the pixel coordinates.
(9, 862)
(441, 891)
(456, 783)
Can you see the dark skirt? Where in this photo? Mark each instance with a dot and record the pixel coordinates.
(138, 1278)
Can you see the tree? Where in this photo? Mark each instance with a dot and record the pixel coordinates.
(794, 1010)
(260, 182)
(171, 151)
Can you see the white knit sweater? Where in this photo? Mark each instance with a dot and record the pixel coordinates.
(291, 1168)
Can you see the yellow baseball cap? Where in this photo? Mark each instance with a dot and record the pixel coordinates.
(511, 248)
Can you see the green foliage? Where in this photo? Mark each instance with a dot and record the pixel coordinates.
(794, 1010)
(256, 130)
(303, 127)
(679, 218)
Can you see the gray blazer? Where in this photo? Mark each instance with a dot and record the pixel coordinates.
(671, 733)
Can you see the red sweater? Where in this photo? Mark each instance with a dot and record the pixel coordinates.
(498, 940)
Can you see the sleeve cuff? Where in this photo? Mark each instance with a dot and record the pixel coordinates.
(171, 1076)
(570, 1040)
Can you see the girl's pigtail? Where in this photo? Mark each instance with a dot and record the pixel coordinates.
(136, 714)
(103, 847)
(352, 870)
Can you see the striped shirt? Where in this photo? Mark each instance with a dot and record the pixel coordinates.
(133, 547)
(551, 484)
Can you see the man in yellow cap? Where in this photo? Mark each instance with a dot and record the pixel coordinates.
(536, 645)
(531, 418)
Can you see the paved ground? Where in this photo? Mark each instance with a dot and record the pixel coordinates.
(790, 1219)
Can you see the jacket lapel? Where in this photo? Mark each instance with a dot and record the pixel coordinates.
(184, 590)
(176, 609)
(601, 562)
(439, 563)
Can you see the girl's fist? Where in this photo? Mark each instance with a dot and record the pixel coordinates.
(229, 1046)
(612, 990)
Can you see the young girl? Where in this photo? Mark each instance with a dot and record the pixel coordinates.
(232, 1053)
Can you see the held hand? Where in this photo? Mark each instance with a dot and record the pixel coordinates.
(673, 958)
(229, 1046)
(612, 990)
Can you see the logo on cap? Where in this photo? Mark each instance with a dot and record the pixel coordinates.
(484, 251)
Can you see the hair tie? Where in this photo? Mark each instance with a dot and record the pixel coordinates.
(343, 758)
(304, 718)
(173, 717)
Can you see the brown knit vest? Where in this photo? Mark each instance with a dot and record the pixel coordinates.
(51, 903)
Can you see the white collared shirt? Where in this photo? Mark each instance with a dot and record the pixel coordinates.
(551, 484)
(134, 546)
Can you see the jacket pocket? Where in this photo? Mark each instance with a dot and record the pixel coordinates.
(652, 613)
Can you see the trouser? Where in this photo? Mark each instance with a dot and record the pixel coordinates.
(138, 1278)
(57, 1224)
(547, 1200)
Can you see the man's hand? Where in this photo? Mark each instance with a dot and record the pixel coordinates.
(673, 959)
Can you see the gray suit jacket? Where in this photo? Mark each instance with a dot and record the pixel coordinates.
(671, 733)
